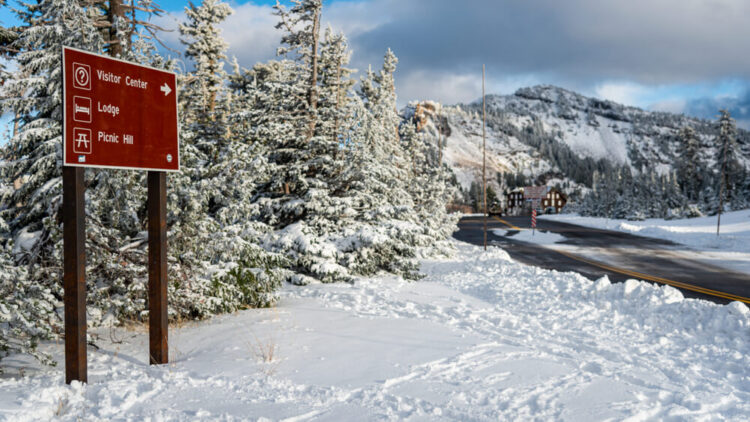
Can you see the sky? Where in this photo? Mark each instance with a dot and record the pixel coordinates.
(683, 56)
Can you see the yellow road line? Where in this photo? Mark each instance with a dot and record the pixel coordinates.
(656, 279)
(506, 223)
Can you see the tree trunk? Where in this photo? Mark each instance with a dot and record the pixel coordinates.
(312, 97)
(395, 108)
(211, 98)
(115, 12)
(129, 38)
(338, 102)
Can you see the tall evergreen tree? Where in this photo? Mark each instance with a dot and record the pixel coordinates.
(213, 217)
(731, 172)
(301, 26)
(202, 88)
(335, 85)
(33, 95)
(31, 207)
(690, 163)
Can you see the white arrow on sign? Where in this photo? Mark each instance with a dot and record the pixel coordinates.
(166, 89)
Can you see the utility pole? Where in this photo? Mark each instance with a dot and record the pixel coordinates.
(484, 161)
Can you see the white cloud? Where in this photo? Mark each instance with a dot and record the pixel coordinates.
(249, 31)
(252, 37)
(452, 88)
(621, 92)
(447, 88)
(670, 105)
(251, 34)
(629, 52)
(355, 18)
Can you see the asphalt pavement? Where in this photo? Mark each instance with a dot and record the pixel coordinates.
(620, 256)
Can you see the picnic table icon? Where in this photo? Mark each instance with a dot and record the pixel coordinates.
(82, 139)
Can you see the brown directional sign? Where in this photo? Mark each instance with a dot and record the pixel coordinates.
(118, 114)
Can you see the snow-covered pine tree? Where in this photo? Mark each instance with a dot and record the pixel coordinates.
(674, 202)
(305, 157)
(205, 86)
(335, 85)
(265, 99)
(212, 212)
(26, 307)
(689, 163)
(33, 93)
(379, 237)
(732, 174)
(31, 208)
(7, 36)
(624, 199)
(387, 176)
(300, 197)
(337, 188)
(601, 201)
(301, 24)
(388, 171)
(202, 134)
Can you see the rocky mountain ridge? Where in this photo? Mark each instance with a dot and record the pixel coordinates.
(556, 136)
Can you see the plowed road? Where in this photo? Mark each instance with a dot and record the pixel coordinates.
(620, 256)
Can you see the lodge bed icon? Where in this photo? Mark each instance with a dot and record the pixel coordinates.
(82, 141)
(82, 109)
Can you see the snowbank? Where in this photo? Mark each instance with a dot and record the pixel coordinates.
(481, 338)
(533, 236)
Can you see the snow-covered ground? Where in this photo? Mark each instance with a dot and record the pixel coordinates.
(480, 338)
(730, 249)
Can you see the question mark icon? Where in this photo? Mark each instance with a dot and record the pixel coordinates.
(81, 76)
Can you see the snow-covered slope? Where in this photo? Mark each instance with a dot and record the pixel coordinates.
(555, 133)
(481, 338)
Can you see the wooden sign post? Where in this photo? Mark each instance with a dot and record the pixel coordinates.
(157, 267)
(74, 278)
(119, 115)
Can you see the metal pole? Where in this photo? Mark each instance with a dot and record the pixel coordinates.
(157, 267)
(484, 161)
(74, 273)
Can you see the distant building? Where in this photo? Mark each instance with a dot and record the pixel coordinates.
(554, 199)
(517, 204)
(514, 202)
